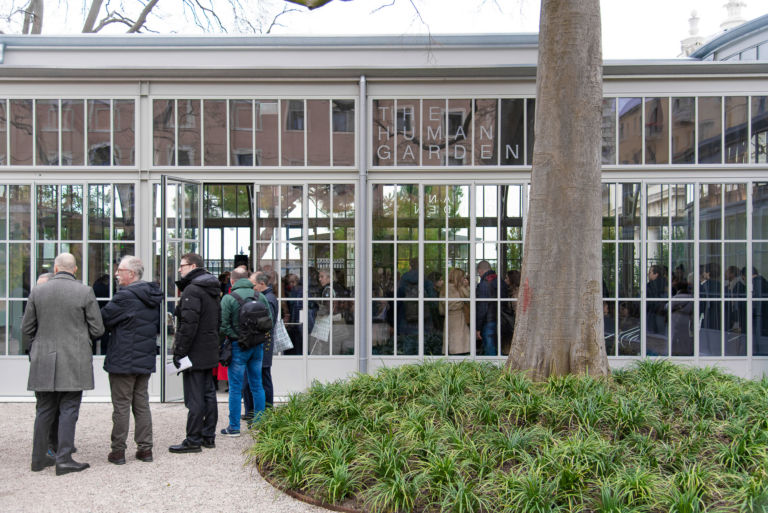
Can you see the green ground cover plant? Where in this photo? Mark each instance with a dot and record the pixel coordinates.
(471, 437)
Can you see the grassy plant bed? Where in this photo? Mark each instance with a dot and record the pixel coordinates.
(470, 437)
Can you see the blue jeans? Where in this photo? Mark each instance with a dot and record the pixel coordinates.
(488, 334)
(241, 360)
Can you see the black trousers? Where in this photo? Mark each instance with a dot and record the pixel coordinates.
(50, 404)
(200, 400)
(266, 382)
(247, 396)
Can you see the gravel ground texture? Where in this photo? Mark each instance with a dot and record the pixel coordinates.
(215, 480)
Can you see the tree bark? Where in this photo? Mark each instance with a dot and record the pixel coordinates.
(559, 328)
(93, 13)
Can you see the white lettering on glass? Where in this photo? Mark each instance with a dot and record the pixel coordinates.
(384, 110)
(384, 152)
(434, 151)
(514, 152)
(460, 133)
(384, 133)
(486, 151)
(459, 152)
(408, 153)
(435, 135)
(486, 132)
(434, 113)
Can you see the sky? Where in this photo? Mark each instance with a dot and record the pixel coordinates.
(632, 29)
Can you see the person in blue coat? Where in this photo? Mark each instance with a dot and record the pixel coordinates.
(132, 317)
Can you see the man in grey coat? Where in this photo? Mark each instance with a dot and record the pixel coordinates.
(61, 319)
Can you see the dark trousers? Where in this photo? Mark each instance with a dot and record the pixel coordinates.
(200, 400)
(247, 396)
(49, 404)
(266, 382)
(129, 392)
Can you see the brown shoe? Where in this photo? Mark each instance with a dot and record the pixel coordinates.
(144, 455)
(116, 457)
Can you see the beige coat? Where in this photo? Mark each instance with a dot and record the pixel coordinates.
(61, 319)
(458, 329)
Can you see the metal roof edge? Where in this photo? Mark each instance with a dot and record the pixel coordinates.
(731, 35)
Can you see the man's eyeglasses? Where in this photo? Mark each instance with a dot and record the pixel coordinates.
(183, 265)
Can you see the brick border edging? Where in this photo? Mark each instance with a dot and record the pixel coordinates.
(302, 497)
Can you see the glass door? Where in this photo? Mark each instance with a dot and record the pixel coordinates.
(181, 211)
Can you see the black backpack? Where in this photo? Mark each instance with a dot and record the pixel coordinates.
(255, 321)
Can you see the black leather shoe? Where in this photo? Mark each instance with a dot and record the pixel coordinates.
(209, 443)
(185, 446)
(47, 462)
(70, 466)
(116, 457)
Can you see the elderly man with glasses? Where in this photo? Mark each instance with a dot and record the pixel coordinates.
(133, 318)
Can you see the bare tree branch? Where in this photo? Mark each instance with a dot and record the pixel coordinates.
(142, 19)
(93, 13)
(275, 23)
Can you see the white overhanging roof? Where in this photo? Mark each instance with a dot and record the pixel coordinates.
(175, 57)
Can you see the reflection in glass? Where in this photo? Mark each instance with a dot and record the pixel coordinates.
(407, 287)
(15, 339)
(267, 133)
(191, 212)
(20, 208)
(344, 212)
(759, 286)
(21, 132)
(512, 212)
(656, 130)
(629, 328)
(457, 206)
(99, 211)
(292, 134)
(681, 196)
(343, 327)
(47, 212)
(433, 133)
(18, 270)
(710, 211)
(343, 119)
(629, 210)
(382, 329)
(530, 113)
(759, 146)
(215, 121)
(124, 135)
(434, 269)
(710, 270)
(291, 211)
(682, 278)
(608, 194)
(3, 152)
(384, 199)
(99, 133)
(434, 212)
(609, 269)
(657, 211)
(459, 132)
(408, 212)
(609, 327)
(318, 133)
(383, 258)
(189, 133)
(735, 211)
(407, 129)
(759, 210)
(319, 206)
(608, 132)
(241, 132)
(512, 129)
(72, 212)
(486, 209)
(657, 321)
(434, 328)
(736, 129)
(681, 319)
(383, 132)
(710, 332)
(47, 132)
(683, 130)
(484, 132)
(710, 130)
(164, 132)
(125, 203)
(630, 131)
(629, 270)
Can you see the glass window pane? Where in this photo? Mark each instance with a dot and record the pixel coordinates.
(241, 132)
(736, 129)
(47, 132)
(99, 133)
(267, 133)
(512, 212)
(125, 207)
(486, 207)
(268, 213)
(710, 130)
(629, 270)
(191, 212)
(99, 211)
(609, 327)
(20, 210)
(408, 308)
(343, 132)
(682, 268)
(630, 131)
(760, 210)
(124, 132)
(215, 120)
(458, 211)
(408, 212)
(319, 262)
(318, 133)
(710, 330)
(291, 212)
(72, 132)
(434, 212)
(759, 298)
(189, 132)
(383, 211)
(3, 213)
(383, 129)
(15, 315)
(164, 132)
(459, 142)
(608, 193)
(484, 134)
(657, 212)
(657, 321)
(433, 133)
(76, 249)
(21, 132)
(608, 132)
(683, 130)
(658, 270)
(759, 130)
(344, 212)
(292, 137)
(530, 112)
(434, 328)
(609, 270)
(383, 271)
(434, 270)
(47, 212)
(319, 204)
(3, 155)
(681, 196)
(656, 130)
(629, 328)
(710, 270)
(735, 211)
(629, 210)
(343, 327)
(18, 270)
(710, 211)
(407, 125)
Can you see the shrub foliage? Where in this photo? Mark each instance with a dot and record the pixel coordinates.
(472, 437)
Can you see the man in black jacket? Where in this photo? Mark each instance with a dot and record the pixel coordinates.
(197, 337)
(133, 318)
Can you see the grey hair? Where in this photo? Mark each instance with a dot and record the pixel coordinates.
(44, 278)
(65, 262)
(262, 278)
(238, 273)
(133, 263)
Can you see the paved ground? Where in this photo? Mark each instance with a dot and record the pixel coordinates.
(212, 481)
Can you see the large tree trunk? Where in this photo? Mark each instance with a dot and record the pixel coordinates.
(559, 328)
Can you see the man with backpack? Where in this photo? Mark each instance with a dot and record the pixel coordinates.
(242, 321)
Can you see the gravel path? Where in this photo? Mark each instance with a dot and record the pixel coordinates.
(212, 481)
